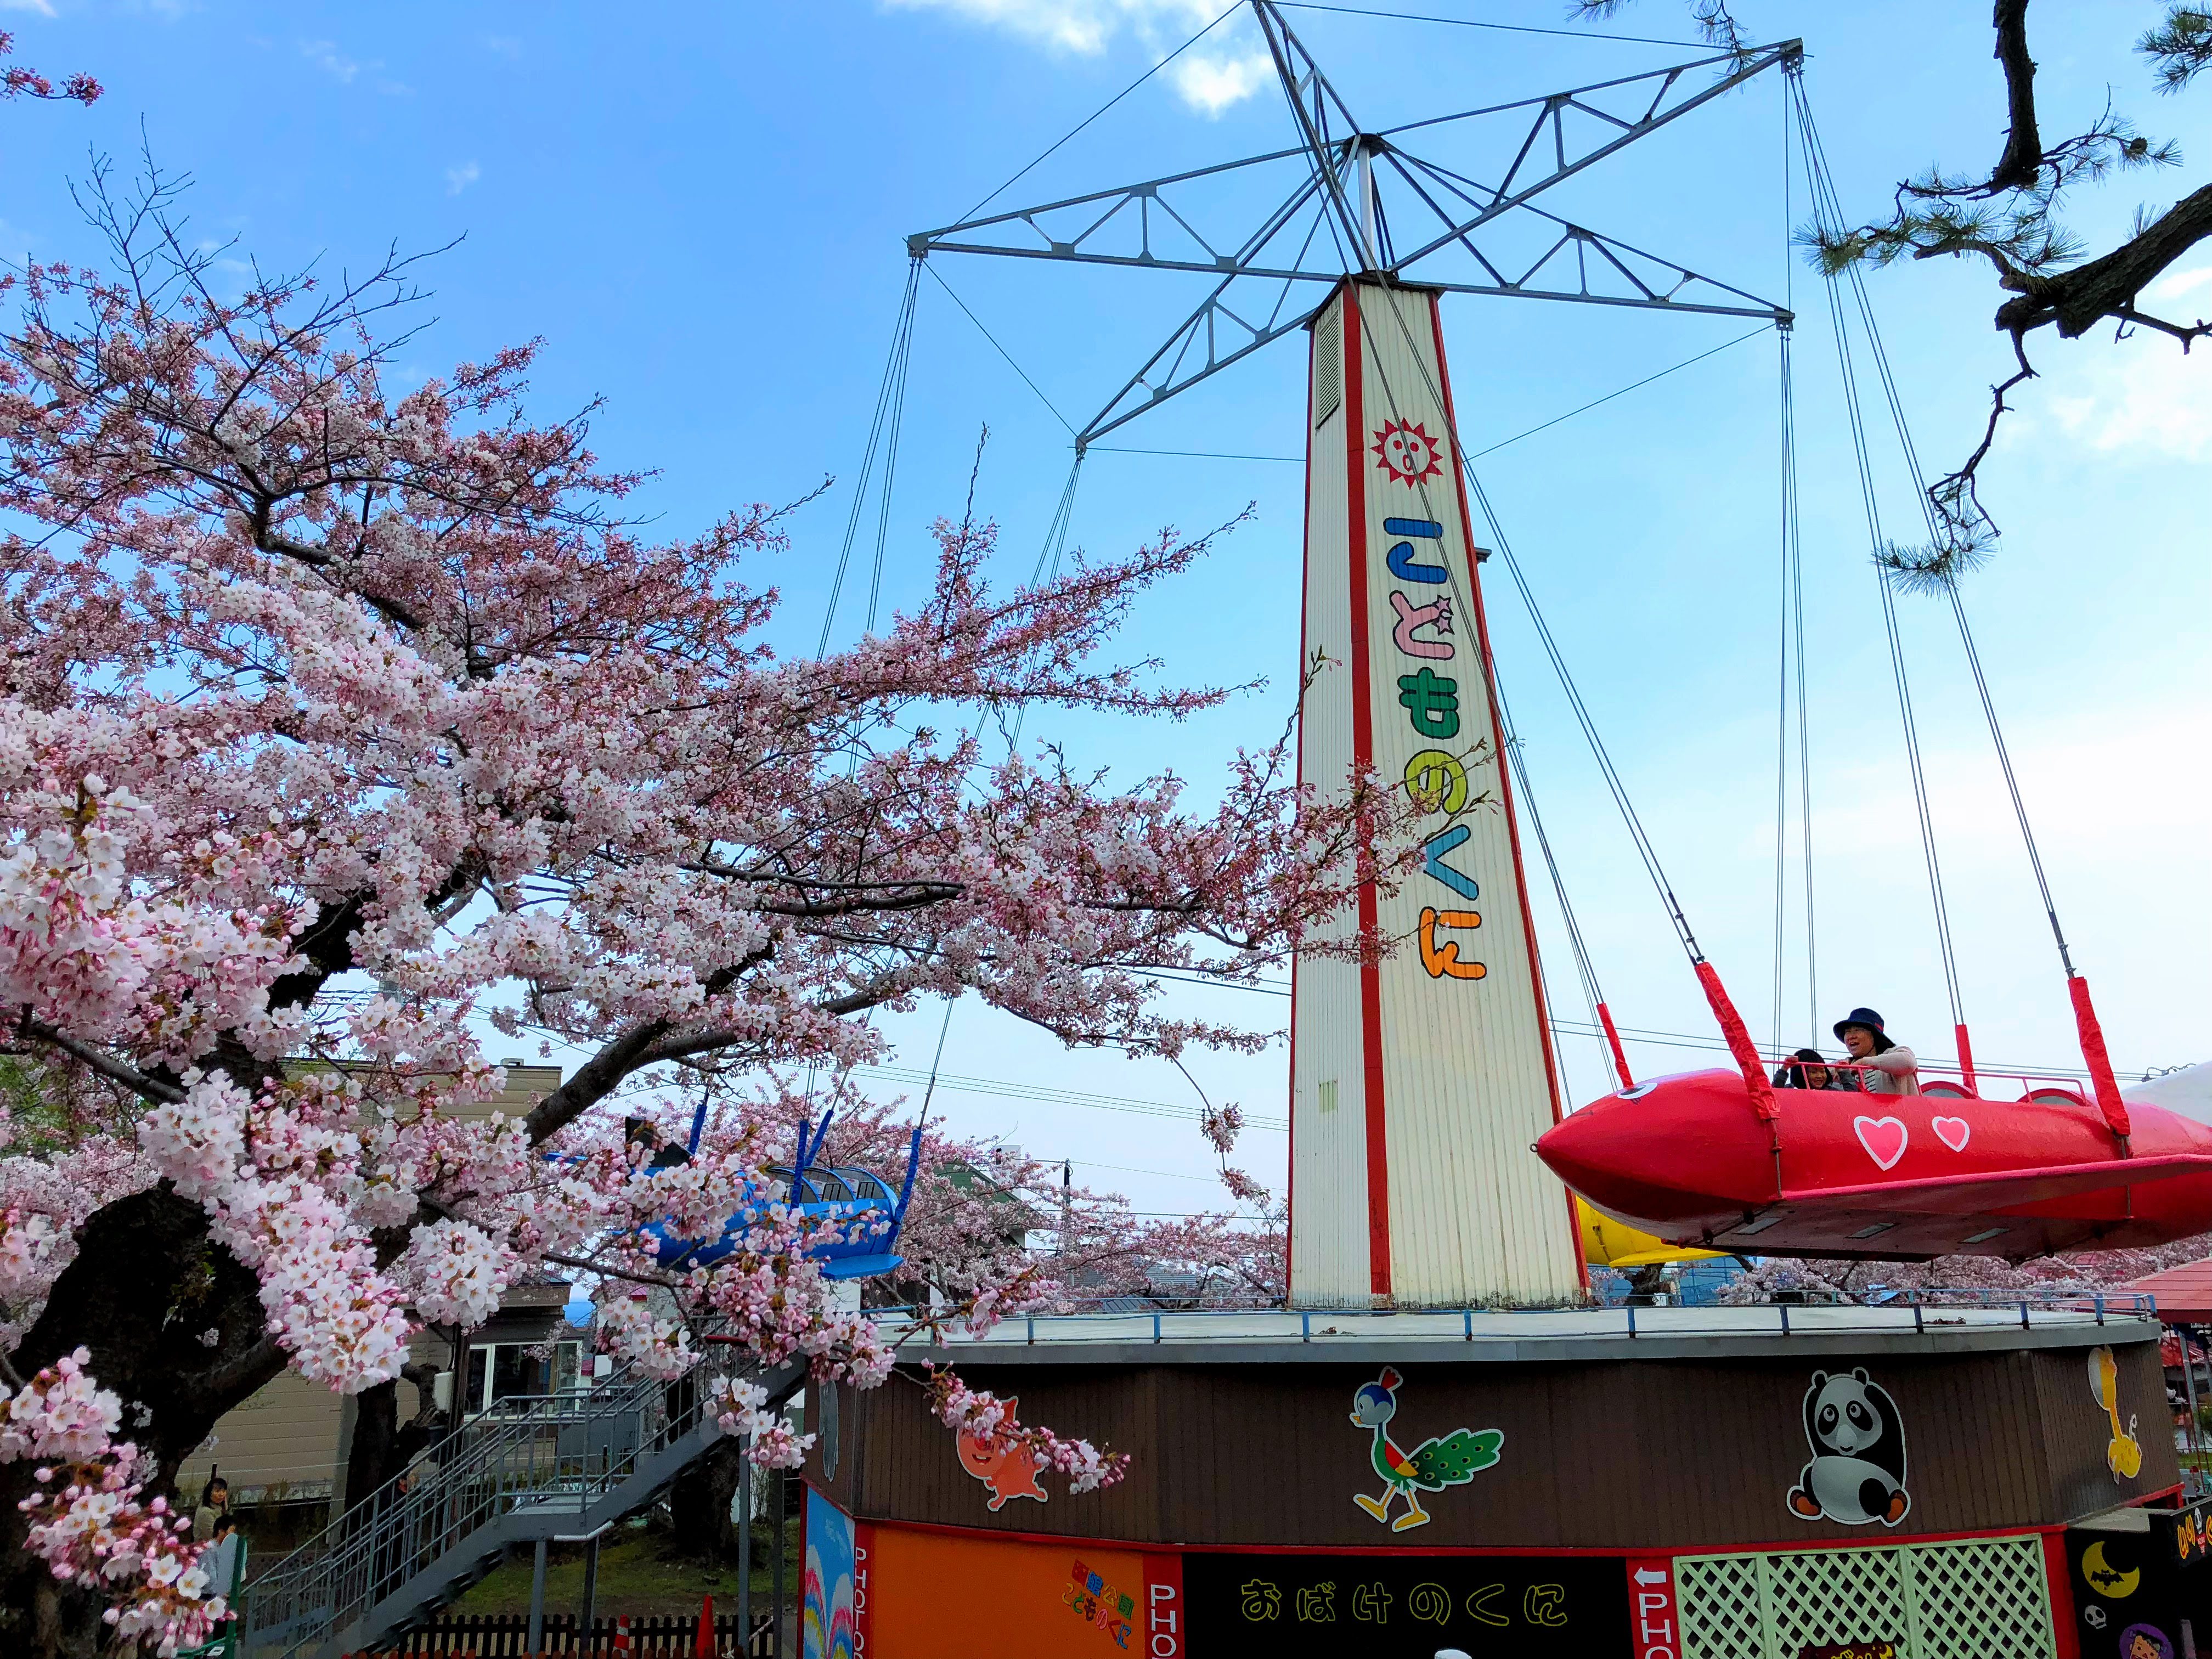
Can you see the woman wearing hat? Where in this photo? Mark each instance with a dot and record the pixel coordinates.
(1889, 1067)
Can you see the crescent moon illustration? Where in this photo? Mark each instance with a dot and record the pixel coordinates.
(2104, 1579)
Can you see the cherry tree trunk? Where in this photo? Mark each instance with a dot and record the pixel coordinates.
(699, 1502)
(174, 1326)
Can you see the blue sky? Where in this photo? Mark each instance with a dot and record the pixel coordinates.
(701, 210)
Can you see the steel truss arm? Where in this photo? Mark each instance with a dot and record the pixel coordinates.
(1550, 111)
(1345, 166)
(1313, 102)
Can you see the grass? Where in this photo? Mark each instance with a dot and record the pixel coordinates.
(636, 1578)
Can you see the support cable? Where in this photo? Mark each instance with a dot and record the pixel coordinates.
(1593, 995)
(1756, 1085)
(1792, 652)
(1644, 850)
(1950, 588)
(1804, 734)
(1618, 790)
(1828, 217)
(890, 398)
(890, 472)
(1047, 569)
(938, 278)
(1235, 5)
(1782, 720)
(2107, 1087)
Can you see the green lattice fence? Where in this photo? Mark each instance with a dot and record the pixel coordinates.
(1718, 1601)
(1983, 1598)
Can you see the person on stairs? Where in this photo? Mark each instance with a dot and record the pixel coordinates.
(215, 1503)
(1890, 1068)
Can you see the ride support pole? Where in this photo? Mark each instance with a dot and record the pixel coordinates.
(1612, 1041)
(2100, 1063)
(1966, 1059)
(538, 1600)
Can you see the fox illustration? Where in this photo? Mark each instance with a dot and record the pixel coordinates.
(1008, 1468)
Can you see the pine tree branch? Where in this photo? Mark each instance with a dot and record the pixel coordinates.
(2022, 160)
(2181, 46)
(2077, 300)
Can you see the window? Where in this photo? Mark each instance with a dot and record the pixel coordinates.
(521, 1370)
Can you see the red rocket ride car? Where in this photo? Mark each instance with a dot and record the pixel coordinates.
(1892, 1177)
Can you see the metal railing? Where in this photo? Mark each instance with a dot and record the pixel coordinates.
(1917, 1310)
(559, 1466)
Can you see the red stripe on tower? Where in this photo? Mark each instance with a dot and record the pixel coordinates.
(1363, 754)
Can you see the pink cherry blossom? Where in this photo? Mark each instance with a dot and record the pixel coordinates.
(18, 81)
(87, 1522)
(345, 715)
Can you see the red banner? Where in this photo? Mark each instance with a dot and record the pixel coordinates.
(1654, 1632)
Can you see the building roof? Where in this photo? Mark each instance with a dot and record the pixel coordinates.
(1338, 1335)
(2184, 1293)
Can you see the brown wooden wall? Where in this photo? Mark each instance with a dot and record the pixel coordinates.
(1607, 1455)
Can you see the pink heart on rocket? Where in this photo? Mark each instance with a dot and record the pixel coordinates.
(1883, 1138)
(1953, 1131)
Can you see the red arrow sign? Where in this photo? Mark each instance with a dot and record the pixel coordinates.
(1654, 1632)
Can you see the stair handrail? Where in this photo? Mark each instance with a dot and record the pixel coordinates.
(489, 1468)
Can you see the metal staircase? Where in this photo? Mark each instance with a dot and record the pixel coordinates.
(560, 1467)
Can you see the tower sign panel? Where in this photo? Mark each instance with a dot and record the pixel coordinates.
(1419, 1082)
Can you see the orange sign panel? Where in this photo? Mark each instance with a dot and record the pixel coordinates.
(940, 1596)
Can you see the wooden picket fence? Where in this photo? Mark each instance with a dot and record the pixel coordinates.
(506, 1636)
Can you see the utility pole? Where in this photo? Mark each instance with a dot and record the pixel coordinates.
(1066, 1204)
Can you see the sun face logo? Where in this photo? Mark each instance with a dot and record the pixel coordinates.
(1405, 450)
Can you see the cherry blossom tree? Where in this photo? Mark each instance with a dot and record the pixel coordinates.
(18, 81)
(2086, 1271)
(984, 1219)
(346, 719)
(984, 1210)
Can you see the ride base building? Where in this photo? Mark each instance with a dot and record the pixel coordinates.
(1668, 1483)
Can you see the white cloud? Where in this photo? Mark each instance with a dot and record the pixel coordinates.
(2175, 283)
(1084, 26)
(325, 56)
(2140, 398)
(1211, 85)
(459, 178)
(38, 6)
(1225, 71)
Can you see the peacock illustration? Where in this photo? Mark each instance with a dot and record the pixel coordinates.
(1451, 1459)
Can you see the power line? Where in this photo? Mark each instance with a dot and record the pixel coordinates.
(984, 1085)
(1126, 1168)
(1643, 1034)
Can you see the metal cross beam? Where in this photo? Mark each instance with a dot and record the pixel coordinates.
(1551, 112)
(1331, 217)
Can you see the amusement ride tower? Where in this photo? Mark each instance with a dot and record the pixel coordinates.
(1419, 1081)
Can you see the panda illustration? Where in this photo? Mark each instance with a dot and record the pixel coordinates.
(1858, 1438)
